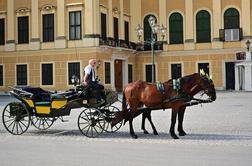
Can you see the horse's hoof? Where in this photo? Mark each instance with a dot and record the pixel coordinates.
(155, 133)
(134, 136)
(174, 136)
(182, 133)
(146, 132)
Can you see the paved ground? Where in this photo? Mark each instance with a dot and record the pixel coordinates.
(219, 133)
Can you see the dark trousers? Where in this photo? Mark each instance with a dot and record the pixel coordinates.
(100, 94)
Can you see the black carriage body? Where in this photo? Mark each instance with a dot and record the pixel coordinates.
(41, 108)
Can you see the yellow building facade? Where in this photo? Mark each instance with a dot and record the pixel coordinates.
(44, 42)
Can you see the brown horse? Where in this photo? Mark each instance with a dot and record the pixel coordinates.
(141, 93)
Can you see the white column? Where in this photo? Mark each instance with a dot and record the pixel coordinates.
(189, 21)
(248, 77)
(125, 72)
(35, 41)
(113, 74)
(122, 32)
(10, 43)
(110, 19)
(245, 15)
(237, 84)
(60, 41)
(162, 15)
(136, 18)
(91, 36)
(217, 17)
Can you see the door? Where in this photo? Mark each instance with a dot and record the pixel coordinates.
(230, 75)
(118, 75)
(176, 71)
(148, 73)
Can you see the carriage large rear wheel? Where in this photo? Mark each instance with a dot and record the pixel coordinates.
(91, 122)
(42, 123)
(109, 113)
(16, 118)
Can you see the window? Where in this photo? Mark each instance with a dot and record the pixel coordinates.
(103, 26)
(204, 66)
(47, 74)
(231, 19)
(148, 73)
(176, 28)
(48, 28)
(1, 75)
(2, 32)
(130, 73)
(107, 73)
(203, 27)
(75, 25)
(21, 74)
(116, 30)
(23, 30)
(126, 29)
(176, 71)
(73, 69)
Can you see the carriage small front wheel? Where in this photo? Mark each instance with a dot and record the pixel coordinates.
(16, 118)
(42, 123)
(110, 113)
(91, 122)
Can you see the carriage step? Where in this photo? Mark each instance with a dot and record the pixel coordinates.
(63, 120)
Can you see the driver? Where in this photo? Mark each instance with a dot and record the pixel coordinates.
(89, 79)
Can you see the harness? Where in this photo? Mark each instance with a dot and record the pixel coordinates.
(160, 87)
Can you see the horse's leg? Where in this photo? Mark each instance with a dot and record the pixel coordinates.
(173, 122)
(150, 120)
(132, 133)
(180, 122)
(144, 115)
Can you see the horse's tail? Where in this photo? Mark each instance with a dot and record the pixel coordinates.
(122, 114)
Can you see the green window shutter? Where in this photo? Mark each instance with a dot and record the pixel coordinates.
(203, 27)
(176, 28)
(231, 19)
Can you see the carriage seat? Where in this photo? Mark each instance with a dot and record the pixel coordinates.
(39, 94)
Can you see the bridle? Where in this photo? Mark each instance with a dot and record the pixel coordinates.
(201, 95)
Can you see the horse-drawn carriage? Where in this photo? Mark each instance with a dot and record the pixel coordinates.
(42, 108)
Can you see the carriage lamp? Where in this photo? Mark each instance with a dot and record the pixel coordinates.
(248, 44)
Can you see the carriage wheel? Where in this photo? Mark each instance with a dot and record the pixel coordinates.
(42, 123)
(109, 113)
(16, 118)
(91, 122)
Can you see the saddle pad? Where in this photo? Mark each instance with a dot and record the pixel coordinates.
(160, 87)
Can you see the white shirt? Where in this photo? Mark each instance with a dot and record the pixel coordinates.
(88, 69)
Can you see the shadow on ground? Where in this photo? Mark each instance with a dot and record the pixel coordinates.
(126, 135)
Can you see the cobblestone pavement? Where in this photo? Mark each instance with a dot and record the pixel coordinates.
(219, 133)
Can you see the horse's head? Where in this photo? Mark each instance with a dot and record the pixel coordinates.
(206, 84)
